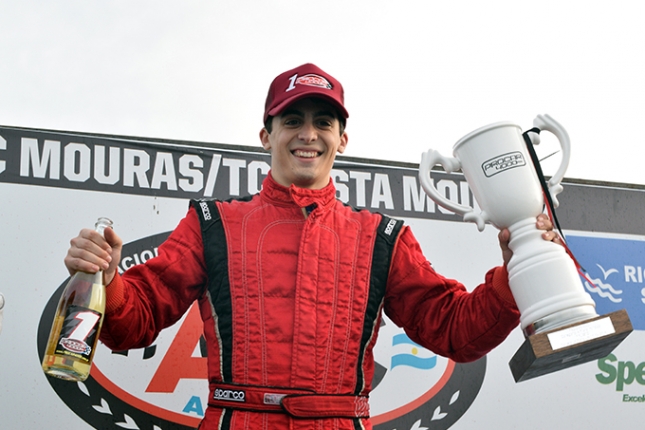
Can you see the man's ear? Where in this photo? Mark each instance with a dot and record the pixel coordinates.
(343, 143)
(264, 138)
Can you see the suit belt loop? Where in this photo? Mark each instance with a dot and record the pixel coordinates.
(298, 403)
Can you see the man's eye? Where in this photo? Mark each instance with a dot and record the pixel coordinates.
(291, 122)
(325, 123)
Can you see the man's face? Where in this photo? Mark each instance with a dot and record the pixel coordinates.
(303, 144)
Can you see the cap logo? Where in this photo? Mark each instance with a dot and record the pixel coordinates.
(309, 79)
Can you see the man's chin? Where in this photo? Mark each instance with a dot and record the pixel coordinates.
(308, 181)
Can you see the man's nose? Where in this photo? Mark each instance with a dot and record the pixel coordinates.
(308, 132)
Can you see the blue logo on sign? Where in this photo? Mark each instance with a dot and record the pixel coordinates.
(617, 268)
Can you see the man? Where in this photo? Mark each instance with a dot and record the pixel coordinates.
(291, 282)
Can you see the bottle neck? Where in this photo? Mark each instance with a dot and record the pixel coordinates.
(102, 224)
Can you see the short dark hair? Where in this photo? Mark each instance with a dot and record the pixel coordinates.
(268, 124)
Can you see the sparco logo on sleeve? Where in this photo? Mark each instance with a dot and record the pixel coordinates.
(205, 211)
(390, 227)
(230, 395)
(503, 162)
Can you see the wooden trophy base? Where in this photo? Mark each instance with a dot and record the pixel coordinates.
(570, 345)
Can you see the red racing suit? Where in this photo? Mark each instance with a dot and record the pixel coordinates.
(291, 284)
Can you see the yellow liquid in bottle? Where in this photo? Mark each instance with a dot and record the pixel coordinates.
(75, 330)
(66, 354)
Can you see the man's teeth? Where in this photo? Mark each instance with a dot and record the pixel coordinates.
(305, 154)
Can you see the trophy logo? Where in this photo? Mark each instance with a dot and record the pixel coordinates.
(557, 316)
(503, 162)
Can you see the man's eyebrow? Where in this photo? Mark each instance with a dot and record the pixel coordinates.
(326, 112)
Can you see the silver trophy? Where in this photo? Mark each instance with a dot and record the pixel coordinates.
(543, 278)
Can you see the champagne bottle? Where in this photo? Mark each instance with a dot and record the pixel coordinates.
(77, 323)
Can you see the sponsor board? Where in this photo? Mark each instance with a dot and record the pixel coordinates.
(414, 389)
(187, 170)
(616, 268)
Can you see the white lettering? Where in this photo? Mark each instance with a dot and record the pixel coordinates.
(634, 274)
(146, 255)
(464, 193)
(176, 171)
(234, 166)
(390, 227)
(29, 156)
(342, 190)
(196, 181)
(77, 154)
(630, 272)
(3, 146)
(292, 83)
(206, 213)
(413, 195)
(87, 322)
(126, 263)
(99, 165)
(135, 259)
(136, 162)
(449, 190)
(232, 395)
(256, 168)
(360, 178)
(381, 191)
(212, 175)
(164, 171)
(135, 167)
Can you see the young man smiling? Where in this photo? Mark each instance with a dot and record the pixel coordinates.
(303, 142)
(291, 283)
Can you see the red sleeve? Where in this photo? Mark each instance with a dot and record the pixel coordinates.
(439, 313)
(152, 296)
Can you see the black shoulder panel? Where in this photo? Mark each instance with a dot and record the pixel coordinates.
(386, 235)
(216, 259)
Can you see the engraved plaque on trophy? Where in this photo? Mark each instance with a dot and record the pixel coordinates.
(557, 316)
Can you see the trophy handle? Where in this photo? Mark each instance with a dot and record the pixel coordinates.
(545, 122)
(430, 159)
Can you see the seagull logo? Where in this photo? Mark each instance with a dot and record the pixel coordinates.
(605, 290)
(606, 273)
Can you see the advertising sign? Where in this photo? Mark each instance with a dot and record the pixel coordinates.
(54, 183)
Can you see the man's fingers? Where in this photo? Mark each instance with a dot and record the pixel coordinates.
(86, 261)
(552, 236)
(544, 223)
(88, 252)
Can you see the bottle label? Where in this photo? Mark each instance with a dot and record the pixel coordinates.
(79, 333)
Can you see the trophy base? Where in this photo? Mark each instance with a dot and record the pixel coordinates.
(568, 346)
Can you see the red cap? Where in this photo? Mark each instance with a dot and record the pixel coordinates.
(307, 80)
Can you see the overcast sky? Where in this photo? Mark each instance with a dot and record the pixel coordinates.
(417, 74)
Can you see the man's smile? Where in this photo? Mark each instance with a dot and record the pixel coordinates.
(305, 153)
